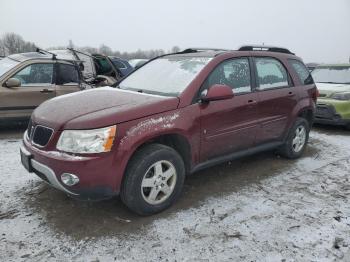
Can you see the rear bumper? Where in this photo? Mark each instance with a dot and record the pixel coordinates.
(327, 114)
(96, 174)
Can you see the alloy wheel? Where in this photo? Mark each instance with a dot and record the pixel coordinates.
(159, 182)
(299, 139)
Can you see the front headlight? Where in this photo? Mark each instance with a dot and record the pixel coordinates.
(341, 96)
(87, 141)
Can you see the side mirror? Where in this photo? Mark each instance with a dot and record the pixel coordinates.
(13, 82)
(217, 92)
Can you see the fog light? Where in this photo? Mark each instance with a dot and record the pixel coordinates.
(69, 179)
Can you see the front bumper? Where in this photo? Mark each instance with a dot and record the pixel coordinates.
(43, 171)
(96, 173)
(327, 114)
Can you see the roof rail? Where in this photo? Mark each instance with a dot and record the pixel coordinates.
(265, 48)
(201, 49)
(80, 52)
(42, 51)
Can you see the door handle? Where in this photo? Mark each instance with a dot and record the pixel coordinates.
(251, 102)
(45, 90)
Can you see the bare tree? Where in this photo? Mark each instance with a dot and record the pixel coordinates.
(2, 49)
(105, 50)
(175, 49)
(70, 44)
(89, 49)
(11, 43)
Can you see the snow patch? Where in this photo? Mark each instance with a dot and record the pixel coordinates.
(163, 122)
(299, 214)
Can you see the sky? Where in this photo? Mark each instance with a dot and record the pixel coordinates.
(316, 30)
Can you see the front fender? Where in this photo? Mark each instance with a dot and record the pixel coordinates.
(134, 134)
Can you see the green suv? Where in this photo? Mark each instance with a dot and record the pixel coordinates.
(333, 103)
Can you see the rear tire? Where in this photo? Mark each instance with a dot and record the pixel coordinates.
(153, 180)
(297, 139)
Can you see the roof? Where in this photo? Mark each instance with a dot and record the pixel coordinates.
(61, 55)
(212, 52)
(28, 56)
(217, 53)
(198, 54)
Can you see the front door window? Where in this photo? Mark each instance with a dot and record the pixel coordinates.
(35, 74)
(234, 73)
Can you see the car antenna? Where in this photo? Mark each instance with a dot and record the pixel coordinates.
(42, 51)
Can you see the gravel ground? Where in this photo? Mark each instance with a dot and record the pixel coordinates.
(262, 208)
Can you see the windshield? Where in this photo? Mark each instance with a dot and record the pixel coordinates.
(332, 74)
(165, 76)
(7, 64)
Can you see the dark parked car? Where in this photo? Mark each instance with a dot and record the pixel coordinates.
(136, 63)
(176, 115)
(124, 67)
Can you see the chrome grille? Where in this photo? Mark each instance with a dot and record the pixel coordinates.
(39, 135)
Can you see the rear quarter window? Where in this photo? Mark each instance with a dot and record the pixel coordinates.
(302, 72)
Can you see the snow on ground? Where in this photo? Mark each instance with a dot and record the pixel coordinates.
(302, 213)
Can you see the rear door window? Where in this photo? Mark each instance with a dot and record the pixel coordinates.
(270, 73)
(302, 72)
(67, 74)
(234, 73)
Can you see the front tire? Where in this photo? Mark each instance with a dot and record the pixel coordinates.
(297, 139)
(153, 180)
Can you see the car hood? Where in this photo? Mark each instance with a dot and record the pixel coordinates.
(99, 108)
(327, 89)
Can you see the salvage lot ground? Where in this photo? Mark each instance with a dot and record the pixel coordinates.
(261, 208)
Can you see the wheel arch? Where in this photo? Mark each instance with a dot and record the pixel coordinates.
(174, 140)
(308, 114)
(177, 141)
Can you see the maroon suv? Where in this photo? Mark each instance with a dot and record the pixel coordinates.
(176, 115)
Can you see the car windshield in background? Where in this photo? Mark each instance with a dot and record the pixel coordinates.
(335, 74)
(7, 64)
(165, 76)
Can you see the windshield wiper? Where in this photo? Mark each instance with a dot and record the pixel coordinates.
(132, 89)
(116, 84)
(330, 83)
